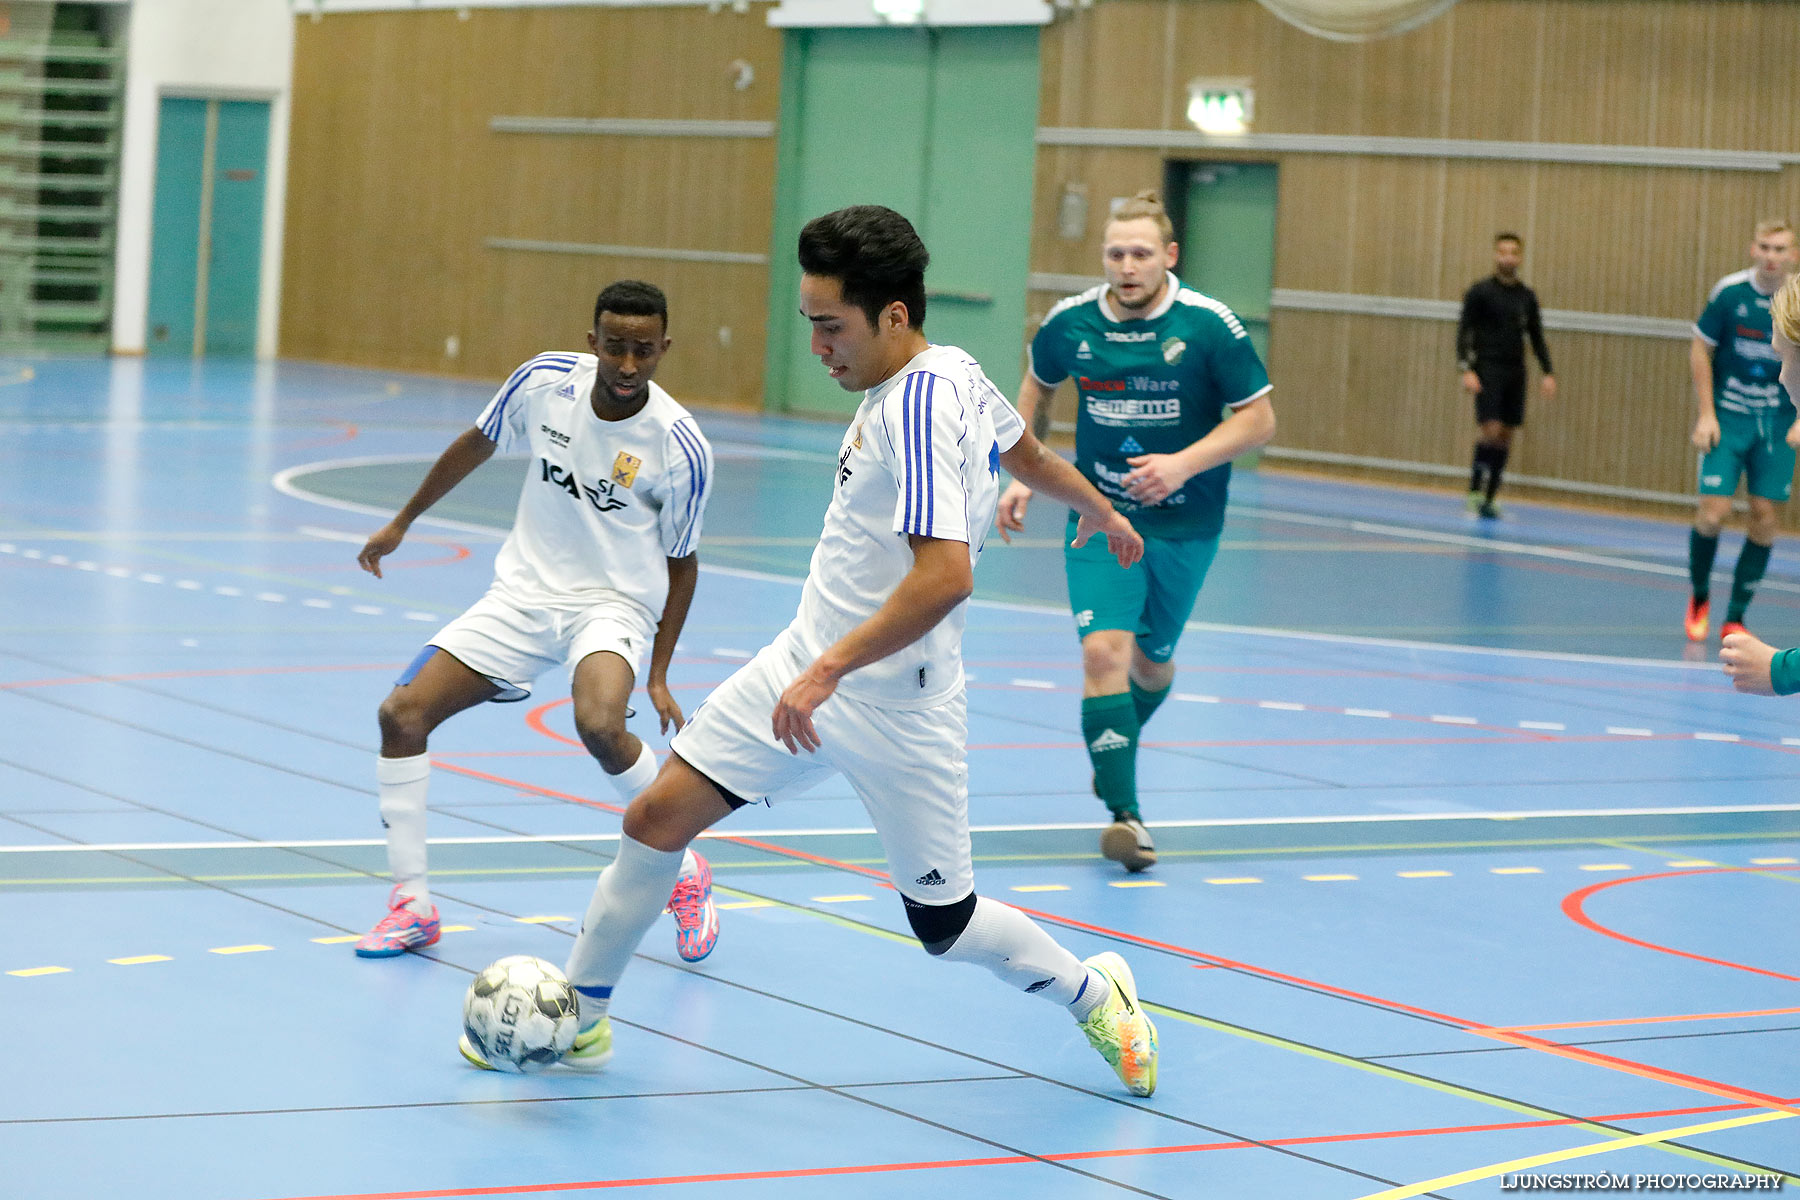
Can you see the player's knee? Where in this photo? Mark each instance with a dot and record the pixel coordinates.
(656, 821)
(937, 926)
(402, 719)
(1103, 657)
(607, 740)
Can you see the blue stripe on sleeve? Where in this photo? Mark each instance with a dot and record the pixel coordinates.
(543, 362)
(693, 451)
(925, 448)
(909, 432)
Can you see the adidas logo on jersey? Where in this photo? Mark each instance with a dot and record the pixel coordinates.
(1130, 446)
(1111, 739)
(1082, 351)
(930, 878)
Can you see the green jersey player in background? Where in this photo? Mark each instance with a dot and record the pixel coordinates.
(1746, 425)
(1169, 391)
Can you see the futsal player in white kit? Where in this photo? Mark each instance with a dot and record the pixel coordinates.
(868, 681)
(599, 567)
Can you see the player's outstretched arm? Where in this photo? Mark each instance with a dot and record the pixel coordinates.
(1757, 667)
(1036, 466)
(941, 578)
(1706, 425)
(1034, 407)
(683, 573)
(453, 466)
(1153, 478)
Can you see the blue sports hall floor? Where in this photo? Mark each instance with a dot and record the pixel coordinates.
(1471, 870)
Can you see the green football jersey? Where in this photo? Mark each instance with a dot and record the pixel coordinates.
(1151, 385)
(1739, 327)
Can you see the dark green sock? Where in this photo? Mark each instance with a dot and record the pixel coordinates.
(1701, 551)
(1146, 702)
(1752, 561)
(1109, 726)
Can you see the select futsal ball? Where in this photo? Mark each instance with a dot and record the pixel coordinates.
(521, 1014)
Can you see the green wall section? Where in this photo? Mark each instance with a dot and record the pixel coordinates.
(939, 125)
(1228, 243)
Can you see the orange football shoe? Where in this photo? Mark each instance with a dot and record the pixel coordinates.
(1699, 613)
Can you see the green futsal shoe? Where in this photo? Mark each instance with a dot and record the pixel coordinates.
(592, 1049)
(1120, 1030)
(591, 1052)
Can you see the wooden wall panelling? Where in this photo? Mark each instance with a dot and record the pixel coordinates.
(396, 180)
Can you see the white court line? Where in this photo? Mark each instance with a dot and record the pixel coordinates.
(1049, 827)
(283, 481)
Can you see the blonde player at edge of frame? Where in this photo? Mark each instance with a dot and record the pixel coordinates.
(867, 681)
(1169, 390)
(1754, 665)
(599, 567)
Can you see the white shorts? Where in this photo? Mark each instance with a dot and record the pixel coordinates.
(909, 767)
(512, 645)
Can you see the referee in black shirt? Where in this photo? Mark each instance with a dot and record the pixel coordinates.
(1498, 313)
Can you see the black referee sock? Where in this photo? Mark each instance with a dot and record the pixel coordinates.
(1701, 552)
(1496, 465)
(1478, 468)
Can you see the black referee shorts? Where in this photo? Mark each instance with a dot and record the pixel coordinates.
(1502, 398)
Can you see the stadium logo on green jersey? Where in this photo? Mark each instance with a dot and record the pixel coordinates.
(1173, 349)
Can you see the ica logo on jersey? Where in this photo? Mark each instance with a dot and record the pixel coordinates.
(600, 494)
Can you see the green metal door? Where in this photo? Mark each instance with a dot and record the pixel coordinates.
(1228, 245)
(937, 124)
(206, 226)
(175, 225)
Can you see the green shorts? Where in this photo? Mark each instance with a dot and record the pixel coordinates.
(1756, 449)
(1152, 599)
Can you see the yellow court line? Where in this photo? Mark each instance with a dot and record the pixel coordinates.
(27, 972)
(847, 898)
(253, 948)
(456, 929)
(746, 904)
(1606, 866)
(1236, 879)
(1423, 874)
(1326, 878)
(541, 920)
(140, 958)
(1131, 883)
(1515, 870)
(1773, 862)
(1041, 887)
(338, 940)
(1556, 1156)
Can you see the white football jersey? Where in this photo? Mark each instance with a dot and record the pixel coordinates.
(922, 456)
(605, 503)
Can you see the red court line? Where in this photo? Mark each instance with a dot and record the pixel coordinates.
(1573, 907)
(1575, 1053)
(1607, 1024)
(217, 673)
(1023, 1159)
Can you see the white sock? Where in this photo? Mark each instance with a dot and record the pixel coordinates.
(403, 782)
(632, 892)
(689, 865)
(637, 776)
(1016, 948)
(1091, 995)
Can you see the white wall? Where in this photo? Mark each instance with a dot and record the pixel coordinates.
(233, 49)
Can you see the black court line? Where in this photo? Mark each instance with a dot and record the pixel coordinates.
(697, 1093)
(1659, 1037)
